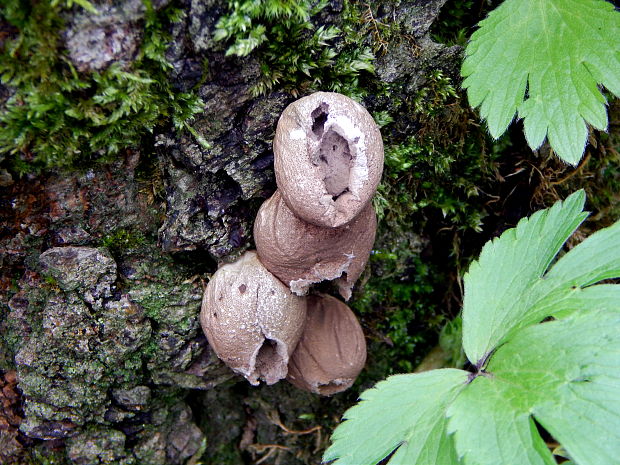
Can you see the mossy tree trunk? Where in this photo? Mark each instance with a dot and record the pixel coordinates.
(105, 256)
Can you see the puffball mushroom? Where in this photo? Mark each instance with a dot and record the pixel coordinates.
(301, 253)
(251, 320)
(332, 349)
(328, 158)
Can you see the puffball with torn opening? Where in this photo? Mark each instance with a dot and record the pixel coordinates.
(301, 253)
(251, 320)
(332, 349)
(328, 158)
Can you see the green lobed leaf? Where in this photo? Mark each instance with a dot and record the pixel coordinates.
(490, 427)
(562, 374)
(497, 284)
(405, 413)
(562, 288)
(566, 374)
(545, 59)
(595, 259)
(563, 303)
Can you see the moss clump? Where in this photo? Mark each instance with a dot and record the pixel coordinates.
(440, 169)
(57, 117)
(41, 455)
(294, 53)
(407, 324)
(122, 241)
(157, 300)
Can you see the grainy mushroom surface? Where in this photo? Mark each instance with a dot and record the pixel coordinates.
(301, 254)
(328, 158)
(332, 349)
(252, 321)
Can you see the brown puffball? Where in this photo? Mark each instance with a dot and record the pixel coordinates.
(301, 254)
(251, 320)
(328, 158)
(332, 349)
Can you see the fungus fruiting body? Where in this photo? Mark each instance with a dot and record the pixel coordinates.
(251, 320)
(301, 253)
(328, 158)
(332, 349)
(319, 225)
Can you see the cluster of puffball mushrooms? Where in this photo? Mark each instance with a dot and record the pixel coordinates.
(318, 226)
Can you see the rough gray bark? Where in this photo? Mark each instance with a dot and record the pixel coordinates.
(104, 333)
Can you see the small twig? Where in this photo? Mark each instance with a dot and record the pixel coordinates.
(270, 448)
(572, 173)
(376, 34)
(274, 418)
(192, 279)
(517, 171)
(319, 440)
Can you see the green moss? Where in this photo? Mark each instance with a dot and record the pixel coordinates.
(81, 3)
(448, 184)
(400, 310)
(150, 349)
(41, 455)
(131, 369)
(158, 300)
(431, 197)
(50, 281)
(123, 240)
(10, 330)
(439, 169)
(294, 52)
(58, 117)
(223, 454)
(9, 341)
